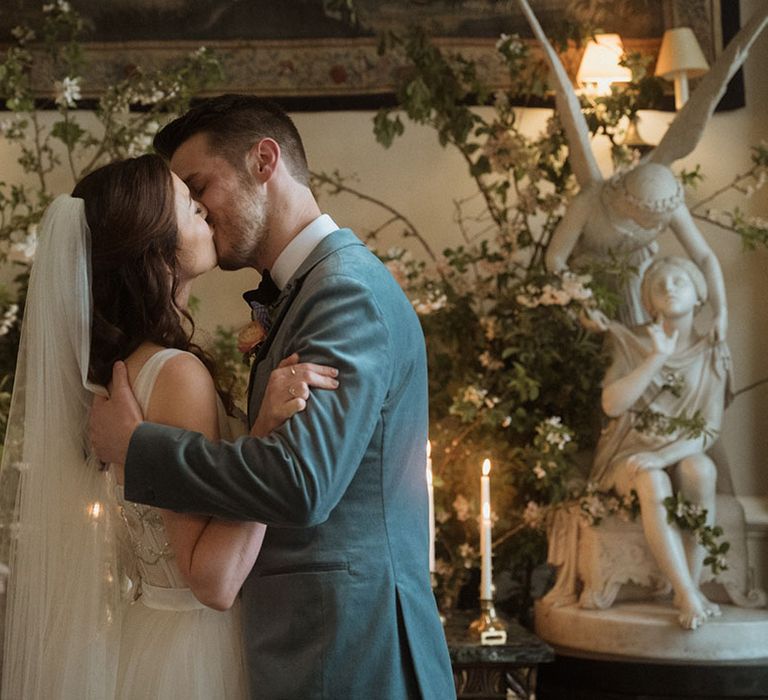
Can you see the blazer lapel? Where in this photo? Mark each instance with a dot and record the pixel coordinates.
(329, 245)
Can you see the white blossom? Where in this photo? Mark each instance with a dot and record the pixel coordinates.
(23, 34)
(9, 318)
(574, 286)
(489, 362)
(67, 92)
(475, 396)
(424, 308)
(467, 553)
(63, 6)
(539, 471)
(150, 97)
(551, 296)
(593, 507)
(23, 245)
(506, 422)
(527, 300)
(501, 101)
(461, 506)
(489, 325)
(533, 515)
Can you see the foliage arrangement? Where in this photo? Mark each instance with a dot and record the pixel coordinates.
(514, 375)
(73, 142)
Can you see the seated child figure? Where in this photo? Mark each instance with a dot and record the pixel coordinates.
(646, 362)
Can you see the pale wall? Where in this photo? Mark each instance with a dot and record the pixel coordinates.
(421, 180)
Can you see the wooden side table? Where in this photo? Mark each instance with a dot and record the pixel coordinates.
(494, 672)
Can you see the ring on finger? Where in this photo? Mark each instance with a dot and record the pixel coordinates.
(293, 371)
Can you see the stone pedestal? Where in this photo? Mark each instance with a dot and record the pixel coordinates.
(649, 630)
(637, 651)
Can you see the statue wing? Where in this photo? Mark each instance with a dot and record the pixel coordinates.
(688, 125)
(583, 160)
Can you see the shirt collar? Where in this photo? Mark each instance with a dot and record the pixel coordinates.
(300, 247)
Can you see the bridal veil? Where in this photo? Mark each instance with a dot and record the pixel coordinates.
(61, 623)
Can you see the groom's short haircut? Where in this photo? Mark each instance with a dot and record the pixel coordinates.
(233, 124)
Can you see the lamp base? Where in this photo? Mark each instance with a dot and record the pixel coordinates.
(633, 139)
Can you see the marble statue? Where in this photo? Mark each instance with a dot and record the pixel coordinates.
(613, 579)
(624, 215)
(666, 367)
(630, 459)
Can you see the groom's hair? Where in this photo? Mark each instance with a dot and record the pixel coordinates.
(233, 124)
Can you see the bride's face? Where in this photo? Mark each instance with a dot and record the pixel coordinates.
(196, 252)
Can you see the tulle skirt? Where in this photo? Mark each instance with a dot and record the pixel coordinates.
(181, 654)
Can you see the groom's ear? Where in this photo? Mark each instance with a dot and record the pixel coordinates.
(262, 159)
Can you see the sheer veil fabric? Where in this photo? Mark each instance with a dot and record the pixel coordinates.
(62, 616)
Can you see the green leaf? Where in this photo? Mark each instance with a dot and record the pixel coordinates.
(68, 132)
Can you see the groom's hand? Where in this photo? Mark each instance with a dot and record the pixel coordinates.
(114, 419)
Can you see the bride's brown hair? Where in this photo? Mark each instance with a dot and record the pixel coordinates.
(129, 206)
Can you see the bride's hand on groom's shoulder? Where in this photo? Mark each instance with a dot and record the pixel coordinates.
(288, 391)
(113, 419)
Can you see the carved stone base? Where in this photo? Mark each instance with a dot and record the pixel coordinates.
(649, 630)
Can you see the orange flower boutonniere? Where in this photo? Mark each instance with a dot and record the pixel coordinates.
(250, 337)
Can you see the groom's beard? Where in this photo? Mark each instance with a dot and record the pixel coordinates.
(246, 227)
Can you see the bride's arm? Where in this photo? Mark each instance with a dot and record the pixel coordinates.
(213, 555)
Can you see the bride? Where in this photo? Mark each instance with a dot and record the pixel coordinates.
(109, 599)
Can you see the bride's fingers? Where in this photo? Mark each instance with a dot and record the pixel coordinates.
(320, 381)
(293, 407)
(317, 369)
(298, 390)
(290, 360)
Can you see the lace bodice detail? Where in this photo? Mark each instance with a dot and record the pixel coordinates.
(148, 556)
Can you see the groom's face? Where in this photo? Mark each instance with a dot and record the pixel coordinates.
(237, 210)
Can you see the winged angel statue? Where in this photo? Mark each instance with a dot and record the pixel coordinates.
(623, 215)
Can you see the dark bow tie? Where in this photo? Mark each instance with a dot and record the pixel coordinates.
(265, 294)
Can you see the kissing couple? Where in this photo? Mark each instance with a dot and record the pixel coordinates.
(285, 562)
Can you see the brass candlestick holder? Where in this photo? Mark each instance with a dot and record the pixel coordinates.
(489, 628)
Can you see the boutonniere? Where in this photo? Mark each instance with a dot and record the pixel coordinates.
(249, 337)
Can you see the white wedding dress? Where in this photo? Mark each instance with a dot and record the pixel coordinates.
(171, 645)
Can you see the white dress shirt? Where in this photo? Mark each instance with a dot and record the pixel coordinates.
(297, 251)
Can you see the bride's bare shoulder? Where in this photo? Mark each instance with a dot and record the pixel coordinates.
(184, 395)
(137, 359)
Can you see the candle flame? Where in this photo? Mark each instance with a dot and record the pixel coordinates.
(486, 511)
(486, 467)
(94, 510)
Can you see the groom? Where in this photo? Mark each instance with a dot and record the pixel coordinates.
(339, 603)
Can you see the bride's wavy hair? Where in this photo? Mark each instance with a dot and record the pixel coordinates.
(129, 206)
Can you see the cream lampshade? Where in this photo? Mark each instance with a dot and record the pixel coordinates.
(680, 57)
(599, 65)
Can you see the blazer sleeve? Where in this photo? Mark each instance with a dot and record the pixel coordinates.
(297, 474)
